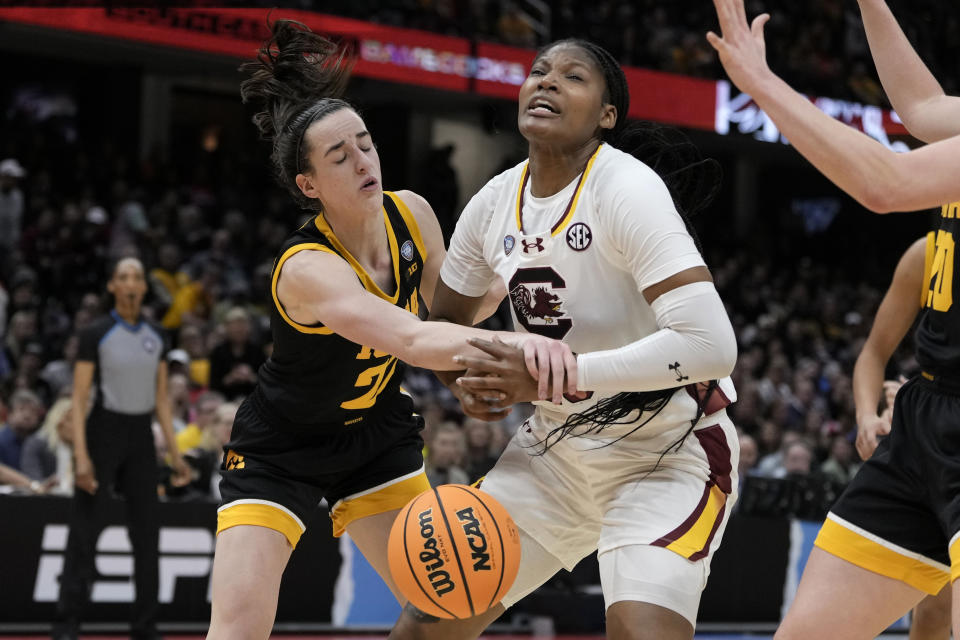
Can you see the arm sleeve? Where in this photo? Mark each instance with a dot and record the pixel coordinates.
(465, 270)
(695, 343)
(645, 228)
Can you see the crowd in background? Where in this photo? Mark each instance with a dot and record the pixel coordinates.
(208, 233)
(208, 259)
(817, 46)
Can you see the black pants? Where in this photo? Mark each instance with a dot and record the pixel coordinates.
(123, 454)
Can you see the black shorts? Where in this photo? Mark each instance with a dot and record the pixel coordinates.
(272, 479)
(900, 516)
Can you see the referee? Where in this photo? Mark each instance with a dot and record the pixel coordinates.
(122, 357)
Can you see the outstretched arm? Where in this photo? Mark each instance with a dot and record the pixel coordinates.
(878, 178)
(320, 287)
(927, 112)
(897, 312)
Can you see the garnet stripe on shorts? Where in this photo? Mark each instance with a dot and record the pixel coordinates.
(693, 537)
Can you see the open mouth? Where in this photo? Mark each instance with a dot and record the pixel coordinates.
(539, 106)
(371, 183)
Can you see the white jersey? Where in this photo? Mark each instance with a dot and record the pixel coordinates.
(575, 263)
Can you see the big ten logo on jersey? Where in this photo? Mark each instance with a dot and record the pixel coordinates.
(186, 553)
(940, 285)
(374, 379)
(535, 294)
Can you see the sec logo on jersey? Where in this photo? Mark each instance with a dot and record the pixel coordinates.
(579, 236)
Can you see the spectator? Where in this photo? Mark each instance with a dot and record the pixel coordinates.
(25, 412)
(13, 478)
(42, 457)
(797, 459)
(58, 374)
(27, 375)
(235, 361)
(167, 278)
(192, 341)
(178, 391)
(514, 28)
(444, 453)
(207, 456)
(194, 300)
(23, 328)
(479, 453)
(840, 466)
(196, 432)
(11, 207)
(749, 454)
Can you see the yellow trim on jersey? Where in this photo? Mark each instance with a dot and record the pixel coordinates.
(260, 515)
(838, 540)
(410, 221)
(695, 539)
(368, 283)
(394, 496)
(571, 206)
(523, 183)
(929, 255)
(576, 194)
(306, 246)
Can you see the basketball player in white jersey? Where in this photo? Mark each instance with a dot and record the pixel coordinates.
(594, 252)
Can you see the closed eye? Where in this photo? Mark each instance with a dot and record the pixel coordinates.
(574, 76)
(536, 72)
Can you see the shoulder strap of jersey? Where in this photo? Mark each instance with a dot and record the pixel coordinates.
(403, 219)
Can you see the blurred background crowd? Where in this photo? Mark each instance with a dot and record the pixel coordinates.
(817, 45)
(207, 227)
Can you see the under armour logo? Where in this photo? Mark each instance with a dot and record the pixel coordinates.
(538, 245)
(675, 367)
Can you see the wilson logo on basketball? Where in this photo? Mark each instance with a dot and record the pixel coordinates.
(431, 556)
(476, 539)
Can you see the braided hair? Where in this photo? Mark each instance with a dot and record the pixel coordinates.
(298, 78)
(693, 182)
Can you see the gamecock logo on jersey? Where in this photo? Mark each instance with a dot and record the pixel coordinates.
(533, 294)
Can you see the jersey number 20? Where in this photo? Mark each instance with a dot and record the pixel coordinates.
(940, 294)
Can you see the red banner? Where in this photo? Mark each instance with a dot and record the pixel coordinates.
(429, 60)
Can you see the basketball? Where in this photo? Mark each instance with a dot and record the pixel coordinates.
(454, 551)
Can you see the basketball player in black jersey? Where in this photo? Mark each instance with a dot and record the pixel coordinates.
(894, 536)
(328, 418)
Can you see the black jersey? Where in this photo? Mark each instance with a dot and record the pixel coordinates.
(938, 334)
(316, 381)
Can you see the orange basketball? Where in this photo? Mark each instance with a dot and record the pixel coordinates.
(454, 551)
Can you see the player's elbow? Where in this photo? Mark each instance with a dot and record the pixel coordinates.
(726, 352)
(878, 197)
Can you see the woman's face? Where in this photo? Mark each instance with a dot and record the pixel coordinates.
(128, 284)
(561, 101)
(344, 169)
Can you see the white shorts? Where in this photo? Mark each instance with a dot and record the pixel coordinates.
(581, 496)
(641, 573)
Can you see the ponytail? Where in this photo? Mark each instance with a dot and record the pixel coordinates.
(297, 78)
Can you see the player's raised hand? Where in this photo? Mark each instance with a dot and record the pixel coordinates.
(742, 49)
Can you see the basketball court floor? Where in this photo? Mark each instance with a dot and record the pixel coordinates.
(708, 636)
